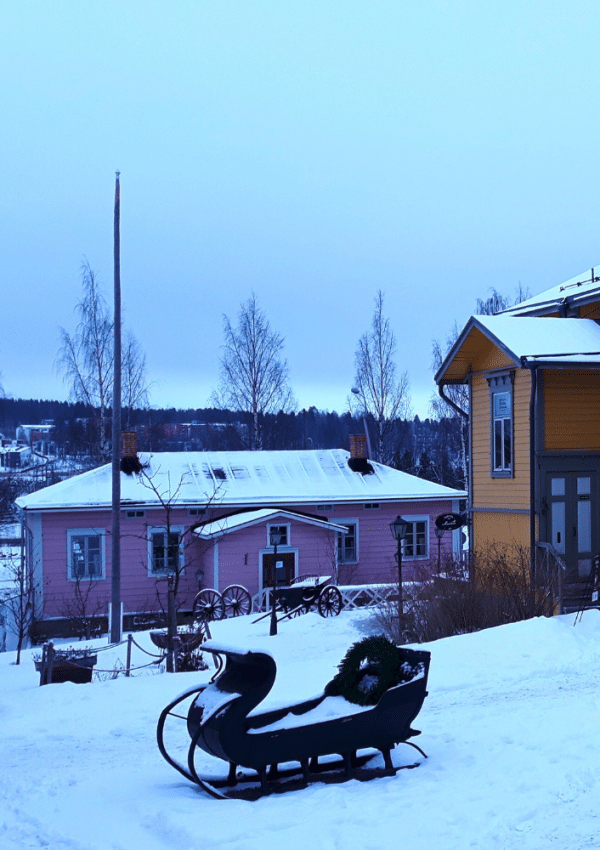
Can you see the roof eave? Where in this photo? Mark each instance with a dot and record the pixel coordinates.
(472, 324)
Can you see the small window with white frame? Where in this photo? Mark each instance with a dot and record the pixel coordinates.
(501, 400)
(165, 550)
(282, 530)
(416, 542)
(86, 554)
(371, 506)
(347, 542)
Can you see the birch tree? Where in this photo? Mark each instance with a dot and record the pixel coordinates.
(253, 376)
(384, 396)
(86, 358)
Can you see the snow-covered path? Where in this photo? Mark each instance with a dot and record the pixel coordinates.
(510, 726)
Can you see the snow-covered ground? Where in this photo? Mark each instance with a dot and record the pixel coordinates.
(510, 727)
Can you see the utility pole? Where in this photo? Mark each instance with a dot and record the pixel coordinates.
(116, 624)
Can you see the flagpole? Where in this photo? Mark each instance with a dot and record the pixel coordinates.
(116, 620)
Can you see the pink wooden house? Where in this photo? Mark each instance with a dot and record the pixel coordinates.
(210, 515)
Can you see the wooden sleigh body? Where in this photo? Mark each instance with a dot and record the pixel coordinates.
(221, 721)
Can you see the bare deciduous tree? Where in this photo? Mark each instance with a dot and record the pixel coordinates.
(383, 396)
(86, 358)
(254, 378)
(134, 382)
(18, 599)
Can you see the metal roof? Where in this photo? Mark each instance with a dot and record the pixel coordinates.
(238, 479)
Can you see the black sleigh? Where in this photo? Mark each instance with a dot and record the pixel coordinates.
(297, 741)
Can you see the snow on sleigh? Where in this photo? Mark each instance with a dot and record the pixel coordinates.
(284, 749)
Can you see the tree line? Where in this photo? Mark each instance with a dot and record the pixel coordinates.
(253, 405)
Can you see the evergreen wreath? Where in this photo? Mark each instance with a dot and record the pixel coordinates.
(370, 667)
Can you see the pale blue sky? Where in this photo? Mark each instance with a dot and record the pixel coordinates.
(313, 152)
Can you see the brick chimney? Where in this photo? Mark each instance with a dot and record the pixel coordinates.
(358, 446)
(358, 460)
(128, 444)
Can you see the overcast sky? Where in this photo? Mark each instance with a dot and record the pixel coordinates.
(313, 152)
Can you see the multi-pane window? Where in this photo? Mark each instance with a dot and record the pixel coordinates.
(85, 555)
(166, 550)
(416, 542)
(281, 531)
(347, 544)
(502, 425)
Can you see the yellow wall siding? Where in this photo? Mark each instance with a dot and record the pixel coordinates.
(500, 529)
(500, 492)
(571, 410)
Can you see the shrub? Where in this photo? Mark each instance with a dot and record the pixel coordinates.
(499, 591)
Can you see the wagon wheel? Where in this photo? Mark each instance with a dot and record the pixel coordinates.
(208, 605)
(237, 600)
(330, 602)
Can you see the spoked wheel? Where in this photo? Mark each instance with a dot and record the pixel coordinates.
(208, 605)
(237, 600)
(330, 602)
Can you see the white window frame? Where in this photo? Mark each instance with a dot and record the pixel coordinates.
(412, 520)
(287, 527)
(347, 521)
(86, 532)
(503, 422)
(156, 529)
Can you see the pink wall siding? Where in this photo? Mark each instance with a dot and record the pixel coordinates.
(239, 559)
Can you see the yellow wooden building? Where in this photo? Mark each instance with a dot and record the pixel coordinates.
(533, 374)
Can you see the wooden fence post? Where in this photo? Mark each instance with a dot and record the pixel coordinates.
(129, 645)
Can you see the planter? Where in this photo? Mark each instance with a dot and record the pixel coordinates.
(189, 640)
(77, 669)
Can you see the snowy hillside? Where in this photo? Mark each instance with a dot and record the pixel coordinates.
(510, 727)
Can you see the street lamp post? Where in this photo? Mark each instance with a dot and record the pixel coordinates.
(275, 540)
(439, 533)
(399, 527)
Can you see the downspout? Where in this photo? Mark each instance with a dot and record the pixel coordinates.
(467, 419)
(452, 404)
(533, 367)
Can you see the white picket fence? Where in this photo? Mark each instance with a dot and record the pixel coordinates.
(353, 596)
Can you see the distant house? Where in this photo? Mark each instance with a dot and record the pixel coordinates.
(211, 513)
(14, 455)
(533, 374)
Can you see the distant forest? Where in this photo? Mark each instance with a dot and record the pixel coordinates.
(429, 448)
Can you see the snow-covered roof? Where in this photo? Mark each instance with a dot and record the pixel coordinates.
(238, 479)
(242, 520)
(584, 287)
(524, 340)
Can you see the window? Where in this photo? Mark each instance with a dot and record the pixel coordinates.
(501, 396)
(195, 511)
(325, 508)
(85, 552)
(165, 555)
(371, 506)
(282, 530)
(416, 542)
(135, 514)
(347, 543)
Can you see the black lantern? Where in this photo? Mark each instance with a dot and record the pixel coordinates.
(399, 528)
